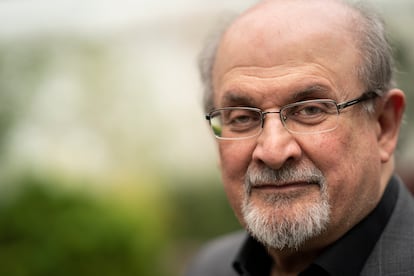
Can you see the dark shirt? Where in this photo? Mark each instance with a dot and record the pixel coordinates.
(345, 257)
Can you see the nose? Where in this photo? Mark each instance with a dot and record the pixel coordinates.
(275, 144)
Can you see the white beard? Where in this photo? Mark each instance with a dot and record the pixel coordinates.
(304, 221)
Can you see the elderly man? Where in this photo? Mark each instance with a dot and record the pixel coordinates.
(300, 97)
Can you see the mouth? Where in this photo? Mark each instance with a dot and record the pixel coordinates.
(284, 187)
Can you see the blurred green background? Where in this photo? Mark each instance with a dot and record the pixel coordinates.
(106, 165)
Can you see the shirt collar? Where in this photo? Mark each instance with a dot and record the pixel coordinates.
(348, 255)
(345, 257)
(252, 259)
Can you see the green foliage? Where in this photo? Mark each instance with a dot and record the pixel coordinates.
(202, 213)
(48, 227)
(50, 232)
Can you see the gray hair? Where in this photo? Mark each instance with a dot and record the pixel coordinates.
(377, 66)
(206, 60)
(375, 70)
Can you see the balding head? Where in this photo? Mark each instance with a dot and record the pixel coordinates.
(283, 24)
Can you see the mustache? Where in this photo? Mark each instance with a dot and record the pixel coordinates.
(263, 175)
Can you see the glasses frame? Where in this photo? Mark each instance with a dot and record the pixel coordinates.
(339, 106)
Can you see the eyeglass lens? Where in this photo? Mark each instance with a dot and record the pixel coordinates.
(306, 117)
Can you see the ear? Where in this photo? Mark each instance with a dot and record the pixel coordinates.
(389, 121)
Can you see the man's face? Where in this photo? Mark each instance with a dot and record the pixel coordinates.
(325, 182)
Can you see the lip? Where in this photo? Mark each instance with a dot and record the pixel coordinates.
(283, 186)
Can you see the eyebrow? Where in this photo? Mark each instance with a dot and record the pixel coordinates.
(236, 98)
(310, 91)
(232, 98)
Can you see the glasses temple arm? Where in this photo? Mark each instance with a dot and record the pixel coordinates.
(366, 96)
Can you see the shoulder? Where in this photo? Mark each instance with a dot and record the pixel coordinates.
(394, 252)
(217, 256)
(401, 223)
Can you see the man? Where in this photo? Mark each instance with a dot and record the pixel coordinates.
(300, 97)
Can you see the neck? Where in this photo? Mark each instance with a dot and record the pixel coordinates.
(291, 262)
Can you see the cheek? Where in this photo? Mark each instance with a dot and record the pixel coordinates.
(343, 154)
(325, 151)
(351, 164)
(235, 158)
(334, 155)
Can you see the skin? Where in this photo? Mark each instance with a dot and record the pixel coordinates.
(277, 53)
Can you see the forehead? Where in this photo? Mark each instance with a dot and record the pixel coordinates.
(279, 42)
(240, 89)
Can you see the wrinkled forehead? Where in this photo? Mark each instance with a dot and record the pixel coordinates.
(284, 32)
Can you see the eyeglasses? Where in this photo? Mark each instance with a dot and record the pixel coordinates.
(304, 117)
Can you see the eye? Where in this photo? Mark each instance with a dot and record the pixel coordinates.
(315, 108)
(311, 109)
(241, 119)
(310, 112)
(235, 117)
